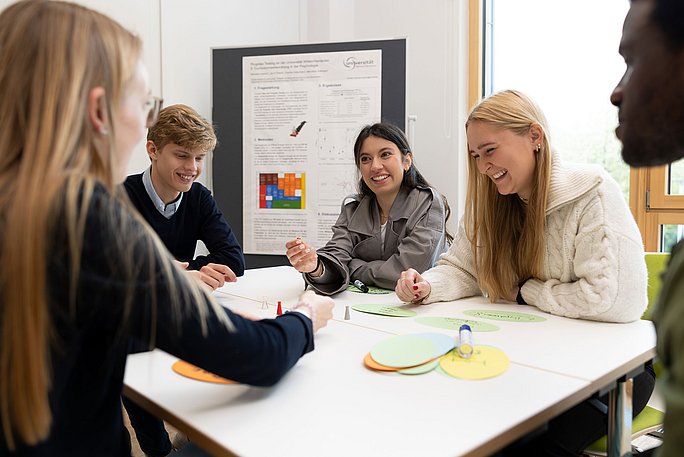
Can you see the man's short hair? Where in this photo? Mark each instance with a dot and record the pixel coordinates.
(669, 16)
(182, 125)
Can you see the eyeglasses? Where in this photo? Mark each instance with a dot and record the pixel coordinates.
(153, 106)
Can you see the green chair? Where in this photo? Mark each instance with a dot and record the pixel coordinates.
(655, 264)
(650, 419)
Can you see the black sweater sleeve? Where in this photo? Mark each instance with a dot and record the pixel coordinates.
(217, 236)
(252, 352)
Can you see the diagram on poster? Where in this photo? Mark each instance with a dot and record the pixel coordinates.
(282, 191)
(301, 116)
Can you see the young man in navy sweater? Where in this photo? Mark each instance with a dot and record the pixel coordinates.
(182, 212)
(179, 209)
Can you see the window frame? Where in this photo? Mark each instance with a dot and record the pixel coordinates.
(651, 205)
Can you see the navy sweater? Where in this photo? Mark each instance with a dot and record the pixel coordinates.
(198, 218)
(90, 343)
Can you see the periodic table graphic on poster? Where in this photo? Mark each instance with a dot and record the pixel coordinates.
(282, 190)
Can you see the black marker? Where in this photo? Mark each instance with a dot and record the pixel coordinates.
(361, 286)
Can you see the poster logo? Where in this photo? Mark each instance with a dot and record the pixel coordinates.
(353, 62)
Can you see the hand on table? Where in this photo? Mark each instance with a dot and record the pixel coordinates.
(213, 275)
(411, 287)
(316, 307)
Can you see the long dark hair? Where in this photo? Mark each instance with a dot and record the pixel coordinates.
(412, 177)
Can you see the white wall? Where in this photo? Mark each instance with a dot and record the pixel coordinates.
(190, 29)
(437, 47)
(178, 36)
(142, 18)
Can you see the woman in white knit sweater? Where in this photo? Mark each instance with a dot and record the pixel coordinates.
(536, 230)
(541, 232)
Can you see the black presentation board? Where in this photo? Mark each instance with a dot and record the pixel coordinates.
(227, 117)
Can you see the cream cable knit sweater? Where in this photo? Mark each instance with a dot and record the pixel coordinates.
(594, 266)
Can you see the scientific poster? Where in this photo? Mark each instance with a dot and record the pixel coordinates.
(301, 115)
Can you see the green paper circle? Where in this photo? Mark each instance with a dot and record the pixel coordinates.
(403, 351)
(452, 323)
(384, 310)
(499, 315)
(421, 369)
(371, 290)
(443, 343)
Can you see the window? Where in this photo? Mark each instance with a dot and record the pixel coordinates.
(564, 55)
(657, 201)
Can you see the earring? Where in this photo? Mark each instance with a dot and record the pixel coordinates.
(103, 131)
(538, 148)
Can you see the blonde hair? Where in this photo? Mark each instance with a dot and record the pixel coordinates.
(182, 125)
(52, 54)
(507, 237)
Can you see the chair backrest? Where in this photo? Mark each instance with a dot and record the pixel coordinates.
(649, 418)
(656, 262)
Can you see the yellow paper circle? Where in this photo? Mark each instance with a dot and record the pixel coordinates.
(486, 362)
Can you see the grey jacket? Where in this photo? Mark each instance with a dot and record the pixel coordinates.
(414, 238)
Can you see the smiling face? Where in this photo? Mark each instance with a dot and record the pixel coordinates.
(650, 95)
(507, 158)
(174, 169)
(382, 166)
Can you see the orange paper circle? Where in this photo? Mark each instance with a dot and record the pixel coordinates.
(188, 370)
(373, 365)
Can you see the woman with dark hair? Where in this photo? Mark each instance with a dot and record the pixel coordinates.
(396, 220)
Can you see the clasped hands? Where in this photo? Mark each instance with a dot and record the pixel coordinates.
(411, 287)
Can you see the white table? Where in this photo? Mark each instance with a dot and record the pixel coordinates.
(330, 404)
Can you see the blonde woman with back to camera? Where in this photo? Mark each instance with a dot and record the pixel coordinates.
(81, 273)
(545, 233)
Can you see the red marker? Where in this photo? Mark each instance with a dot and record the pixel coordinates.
(279, 311)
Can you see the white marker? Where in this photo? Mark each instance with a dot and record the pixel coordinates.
(465, 341)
